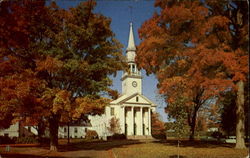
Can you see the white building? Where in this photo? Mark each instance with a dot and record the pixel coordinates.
(132, 109)
(75, 131)
(12, 131)
(17, 130)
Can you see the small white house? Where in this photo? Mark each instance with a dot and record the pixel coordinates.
(15, 130)
(74, 131)
(12, 131)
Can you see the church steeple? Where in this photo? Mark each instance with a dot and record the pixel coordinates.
(131, 41)
(131, 79)
(130, 51)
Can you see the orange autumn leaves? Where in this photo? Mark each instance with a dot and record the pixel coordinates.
(184, 45)
(197, 51)
(55, 62)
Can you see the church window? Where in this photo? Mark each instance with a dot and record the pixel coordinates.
(75, 130)
(112, 111)
(137, 99)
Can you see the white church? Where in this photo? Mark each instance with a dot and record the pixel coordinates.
(132, 108)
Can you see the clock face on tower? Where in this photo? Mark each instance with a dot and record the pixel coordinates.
(134, 83)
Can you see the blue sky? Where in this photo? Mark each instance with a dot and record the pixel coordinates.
(121, 14)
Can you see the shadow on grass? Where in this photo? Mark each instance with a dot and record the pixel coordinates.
(196, 143)
(30, 156)
(176, 156)
(96, 145)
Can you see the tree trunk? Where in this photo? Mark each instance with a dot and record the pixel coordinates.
(68, 133)
(192, 124)
(240, 117)
(53, 129)
(191, 136)
(40, 130)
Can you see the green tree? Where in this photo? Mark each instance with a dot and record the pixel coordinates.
(177, 112)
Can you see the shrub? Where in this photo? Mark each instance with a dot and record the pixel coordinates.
(44, 140)
(217, 135)
(26, 140)
(116, 136)
(6, 140)
(91, 134)
(159, 136)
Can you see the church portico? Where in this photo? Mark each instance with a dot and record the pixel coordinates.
(137, 120)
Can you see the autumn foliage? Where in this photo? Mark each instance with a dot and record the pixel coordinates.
(158, 127)
(193, 49)
(54, 62)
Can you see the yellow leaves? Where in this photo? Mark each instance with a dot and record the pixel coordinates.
(61, 101)
(50, 64)
(182, 63)
(89, 105)
(57, 101)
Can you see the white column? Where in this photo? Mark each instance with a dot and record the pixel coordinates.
(149, 121)
(132, 119)
(141, 121)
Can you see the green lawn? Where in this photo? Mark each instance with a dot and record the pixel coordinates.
(130, 149)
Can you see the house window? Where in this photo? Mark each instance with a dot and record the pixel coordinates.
(75, 130)
(137, 99)
(112, 111)
(65, 129)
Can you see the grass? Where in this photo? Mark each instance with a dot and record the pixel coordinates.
(130, 149)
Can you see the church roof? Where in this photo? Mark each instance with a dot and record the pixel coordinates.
(131, 41)
(125, 98)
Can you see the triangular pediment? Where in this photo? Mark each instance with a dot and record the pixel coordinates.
(133, 99)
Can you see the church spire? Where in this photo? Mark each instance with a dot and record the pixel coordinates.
(131, 41)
